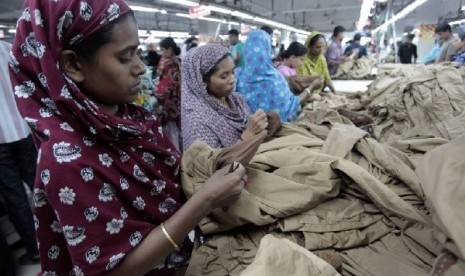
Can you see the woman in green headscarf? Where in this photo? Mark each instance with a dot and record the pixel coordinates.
(315, 62)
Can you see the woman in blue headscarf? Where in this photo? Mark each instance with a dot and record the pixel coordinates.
(262, 85)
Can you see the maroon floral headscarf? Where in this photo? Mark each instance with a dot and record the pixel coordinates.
(104, 182)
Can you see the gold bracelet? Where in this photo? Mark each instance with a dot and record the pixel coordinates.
(168, 237)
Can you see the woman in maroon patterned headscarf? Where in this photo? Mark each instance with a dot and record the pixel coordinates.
(107, 195)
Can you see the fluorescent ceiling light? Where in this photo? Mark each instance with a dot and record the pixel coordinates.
(242, 15)
(220, 10)
(182, 2)
(203, 18)
(213, 19)
(12, 31)
(179, 34)
(458, 22)
(160, 33)
(400, 15)
(364, 13)
(234, 23)
(250, 17)
(183, 15)
(463, 8)
(143, 9)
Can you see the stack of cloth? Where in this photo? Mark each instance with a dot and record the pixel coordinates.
(417, 108)
(326, 186)
(325, 196)
(359, 69)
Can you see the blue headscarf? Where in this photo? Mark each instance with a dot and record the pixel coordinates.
(261, 84)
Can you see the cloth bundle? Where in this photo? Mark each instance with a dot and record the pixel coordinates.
(359, 69)
(325, 186)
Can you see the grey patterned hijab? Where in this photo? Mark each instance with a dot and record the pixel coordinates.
(202, 116)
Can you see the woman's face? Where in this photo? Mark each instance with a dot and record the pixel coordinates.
(221, 83)
(113, 78)
(166, 52)
(317, 48)
(296, 61)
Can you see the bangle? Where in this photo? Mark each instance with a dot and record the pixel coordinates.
(168, 237)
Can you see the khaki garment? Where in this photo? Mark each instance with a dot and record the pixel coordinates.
(282, 257)
(266, 198)
(443, 181)
(230, 253)
(323, 186)
(416, 102)
(359, 69)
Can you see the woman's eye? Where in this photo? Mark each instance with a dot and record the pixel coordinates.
(125, 60)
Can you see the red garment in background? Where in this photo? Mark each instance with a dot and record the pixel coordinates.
(168, 92)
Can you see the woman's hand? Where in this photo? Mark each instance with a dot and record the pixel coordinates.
(257, 124)
(224, 187)
(317, 84)
(315, 97)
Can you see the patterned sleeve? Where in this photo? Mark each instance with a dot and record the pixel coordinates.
(84, 225)
(165, 82)
(295, 108)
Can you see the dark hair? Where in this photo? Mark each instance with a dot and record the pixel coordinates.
(443, 27)
(233, 32)
(410, 36)
(295, 49)
(190, 40)
(338, 30)
(315, 39)
(88, 47)
(357, 37)
(267, 29)
(206, 78)
(168, 43)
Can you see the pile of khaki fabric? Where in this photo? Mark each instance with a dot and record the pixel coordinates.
(326, 186)
(358, 69)
(323, 190)
(417, 108)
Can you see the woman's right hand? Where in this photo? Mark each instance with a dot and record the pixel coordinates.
(256, 125)
(224, 188)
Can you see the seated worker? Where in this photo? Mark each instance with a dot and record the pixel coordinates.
(292, 57)
(107, 197)
(210, 111)
(315, 62)
(355, 45)
(262, 85)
